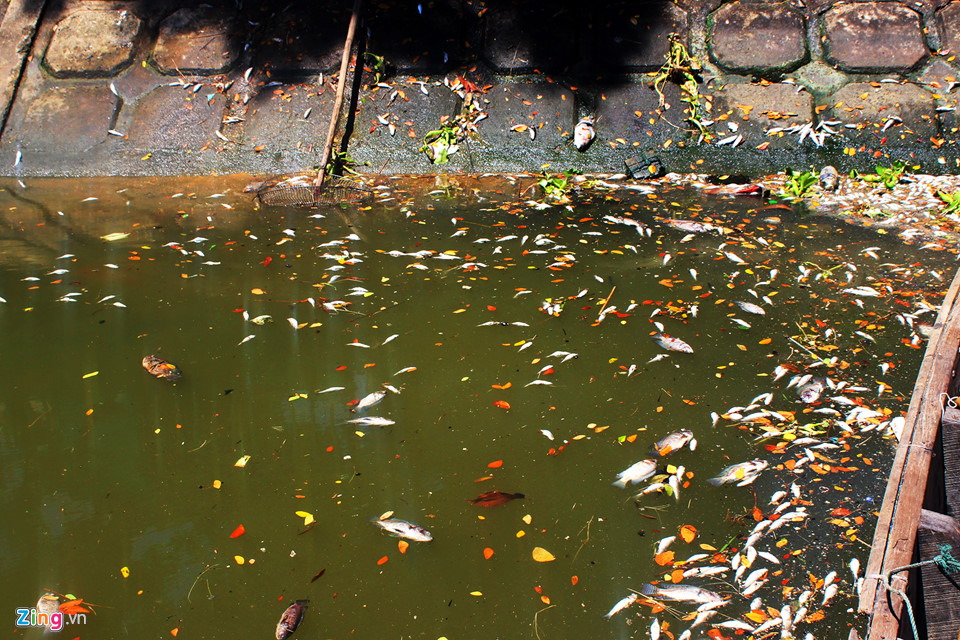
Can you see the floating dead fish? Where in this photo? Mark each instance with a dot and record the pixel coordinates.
(161, 369)
(403, 529)
(680, 593)
(672, 344)
(689, 226)
(743, 473)
(372, 421)
(635, 473)
(749, 307)
(291, 619)
(811, 390)
(673, 442)
(371, 399)
(495, 498)
(621, 605)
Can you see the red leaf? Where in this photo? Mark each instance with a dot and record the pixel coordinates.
(239, 531)
(267, 261)
(501, 404)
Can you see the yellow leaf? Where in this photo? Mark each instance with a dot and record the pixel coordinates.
(707, 547)
(307, 517)
(257, 291)
(542, 555)
(238, 559)
(242, 461)
(527, 519)
(89, 375)
(756, 616)
(781, 543)
(125, 572)
(476, 593)
(217, 484)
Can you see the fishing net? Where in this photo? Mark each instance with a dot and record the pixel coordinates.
(300, 191)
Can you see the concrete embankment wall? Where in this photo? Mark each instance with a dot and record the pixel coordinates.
(163, 88)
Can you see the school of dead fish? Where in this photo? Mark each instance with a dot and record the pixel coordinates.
(841, 407)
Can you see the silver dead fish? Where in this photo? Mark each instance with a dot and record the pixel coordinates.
(403, 529)
(743, 473)
(680, 593)
(810, 392)
(672, 344)
(673, 442)
(372, 421)
(636, 473)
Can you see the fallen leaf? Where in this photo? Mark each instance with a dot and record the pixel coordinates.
(239, 531)
(501, 404)
(496, 464)
(487, 553)
(382, 560)
(542, 555)
(664, 559)
(688, 533)
(238, 559)
(125, 572)
(403, 545)
(307, 517)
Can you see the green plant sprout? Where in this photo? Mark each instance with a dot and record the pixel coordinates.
(952, 200)
(798, 183)
(682, 68)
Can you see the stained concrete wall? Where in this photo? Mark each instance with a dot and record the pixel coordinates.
(138, 88)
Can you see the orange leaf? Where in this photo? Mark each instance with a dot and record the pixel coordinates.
(501, 404)
(757, 514)
(544, 599)
(664, 559)
(382, 560)
(501, 386)
(815, 616)
(175, 631)
(488, 553)
(840, 511)
(496, 464)
(574, 580)
(403, 545)
(490, 307)
(688, 532)
(677, 576)
(766, 341)
(239, 531)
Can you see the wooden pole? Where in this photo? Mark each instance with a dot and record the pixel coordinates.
(341, 83)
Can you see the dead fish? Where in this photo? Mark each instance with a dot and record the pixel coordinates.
(584, 133)
(403, 529)
(810, 392)
(680, 593)
(689, 226)
(161, 369)
(371, 399)
(494, 498)
(672, 344)
(749, 307)
(291, 619)
(372, 421)
(635, 473)
(673, 442)
(829, 178)
(743, 473)
(621, 605)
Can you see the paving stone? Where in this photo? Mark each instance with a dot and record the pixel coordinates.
(275, 123)
(872, 104)
(638, 39)
(301, 41)
(938, 76)
(169, 118)
(196, 41)
(874, 37)
(92, 43)
(71, 119)
(633, 113)
(758, 38)
(756, 108)
(948, 19)
(548, 108)
(433, 39)
(820, 79)
(523, 37)
(413, 114)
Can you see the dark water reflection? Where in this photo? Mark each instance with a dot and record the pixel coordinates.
(113, 470)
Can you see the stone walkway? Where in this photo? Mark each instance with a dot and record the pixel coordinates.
(136, 88)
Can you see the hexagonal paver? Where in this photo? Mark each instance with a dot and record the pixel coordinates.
(195, 42)
(948, 20)
(70, 119)
(638, 39)
(171, 118)
(874, 36)
(864, 103)
(92, 43)
(757, 38)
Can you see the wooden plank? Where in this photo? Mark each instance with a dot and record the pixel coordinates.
(17, 31)
(950, 434)
(941, 596)
(895, 535)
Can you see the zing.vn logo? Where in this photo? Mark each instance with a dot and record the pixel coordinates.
(53, 621)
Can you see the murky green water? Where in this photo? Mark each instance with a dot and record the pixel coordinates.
(107, 469)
